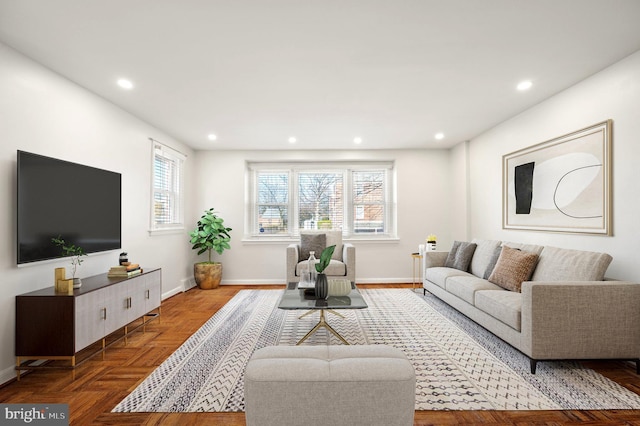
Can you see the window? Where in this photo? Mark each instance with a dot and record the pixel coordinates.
(355, 198)
(167, 176)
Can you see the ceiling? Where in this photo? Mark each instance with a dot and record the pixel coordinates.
(257, 72)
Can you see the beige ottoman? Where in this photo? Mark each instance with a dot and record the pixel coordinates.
(329, 385)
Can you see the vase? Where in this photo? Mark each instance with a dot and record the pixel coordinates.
(77, 283)
(322, 286)
(207, 275)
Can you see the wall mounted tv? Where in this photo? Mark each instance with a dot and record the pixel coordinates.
(82, 204)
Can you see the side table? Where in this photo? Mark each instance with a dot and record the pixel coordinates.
(414, 257)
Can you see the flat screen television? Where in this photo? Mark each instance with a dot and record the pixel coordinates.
(81, 204)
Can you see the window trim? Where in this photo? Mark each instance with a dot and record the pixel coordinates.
(178, 158)
(347, 168)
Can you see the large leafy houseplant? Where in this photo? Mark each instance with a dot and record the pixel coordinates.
(211, 234)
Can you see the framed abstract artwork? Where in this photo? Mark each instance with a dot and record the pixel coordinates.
(561, 185)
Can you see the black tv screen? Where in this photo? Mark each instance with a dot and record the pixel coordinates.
(81, 204)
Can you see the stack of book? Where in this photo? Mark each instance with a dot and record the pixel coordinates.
(125, 270)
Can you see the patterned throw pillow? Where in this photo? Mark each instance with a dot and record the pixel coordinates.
(460, 255)
(513, 267)
(312, 242)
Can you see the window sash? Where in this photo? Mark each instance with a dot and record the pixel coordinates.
(167, 184)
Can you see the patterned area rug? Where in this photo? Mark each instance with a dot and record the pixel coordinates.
(458, 364)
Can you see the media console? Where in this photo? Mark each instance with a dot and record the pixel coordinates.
(52, 326)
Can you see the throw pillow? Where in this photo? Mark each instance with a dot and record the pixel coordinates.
(512, 268)
(492, 262)
(311, 242)
(460, 255)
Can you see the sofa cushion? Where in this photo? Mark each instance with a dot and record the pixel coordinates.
(513, 267)
(335, 268)
(334, 238)
(460, 255)
(439, 275)
(505, 306)
(312, 242)
(482, 256)
(465, 287)
(557, 264)
(531, 248)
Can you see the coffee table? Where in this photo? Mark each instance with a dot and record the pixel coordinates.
(295, 298)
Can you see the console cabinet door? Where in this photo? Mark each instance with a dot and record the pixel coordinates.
(135, 293)
(89, 318)
(116, 305)
(153, 290)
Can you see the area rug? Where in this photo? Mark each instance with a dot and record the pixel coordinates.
(458, 364)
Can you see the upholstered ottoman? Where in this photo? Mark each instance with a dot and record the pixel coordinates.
(329, 385)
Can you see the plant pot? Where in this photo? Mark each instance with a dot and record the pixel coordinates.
(207, 275)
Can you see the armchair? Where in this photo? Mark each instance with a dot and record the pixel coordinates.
(343, 261)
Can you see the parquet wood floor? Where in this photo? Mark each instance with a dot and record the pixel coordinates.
(100, 384)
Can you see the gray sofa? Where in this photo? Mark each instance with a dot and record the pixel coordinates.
(565, 309)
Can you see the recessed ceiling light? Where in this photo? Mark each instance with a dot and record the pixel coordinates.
(212, 137)
(125, 84)
(439, 136)
(524, 85)
(357, 140)
(293, 140)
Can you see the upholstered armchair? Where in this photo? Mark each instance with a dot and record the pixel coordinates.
(343, 261)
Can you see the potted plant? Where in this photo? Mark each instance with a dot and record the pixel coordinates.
(211, 234)
(76, 254)
(322, 284)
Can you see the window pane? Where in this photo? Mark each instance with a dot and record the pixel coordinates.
(320, 200)
(166, 201)
(273, 202)
(368, 202)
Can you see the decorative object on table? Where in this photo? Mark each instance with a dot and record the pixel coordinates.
(311, 267)
(431, 242)
(322, 284)
(211, 234)
(561, 185)
(125, 270)
(62, 285)
(124, 257)
(73, 251)
(339, 287)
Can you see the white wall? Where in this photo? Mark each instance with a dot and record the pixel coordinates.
(423, 188)
(613, 93)
(44, 113)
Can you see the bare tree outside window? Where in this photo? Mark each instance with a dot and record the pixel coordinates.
(320, 200)
(273, 201)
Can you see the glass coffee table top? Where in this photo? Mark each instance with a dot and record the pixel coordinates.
(294, 298)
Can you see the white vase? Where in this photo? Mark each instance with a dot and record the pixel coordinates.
(339, 287)
(77, 282)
